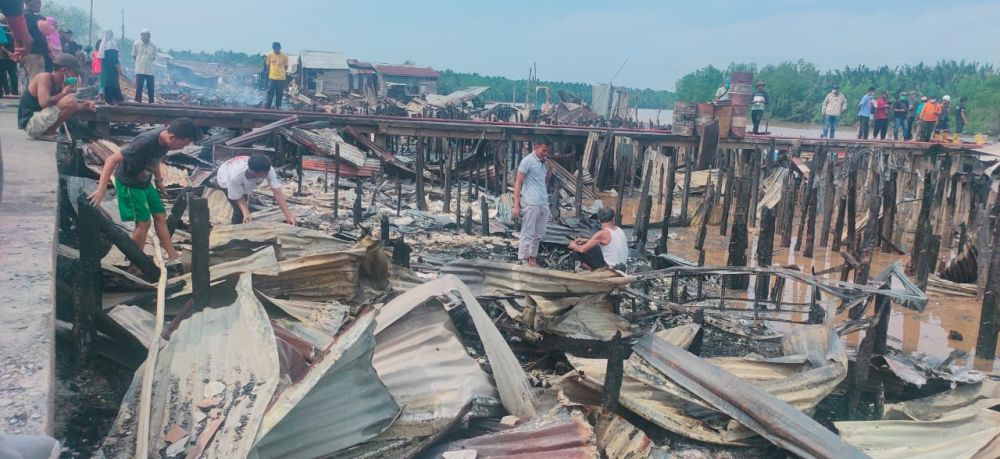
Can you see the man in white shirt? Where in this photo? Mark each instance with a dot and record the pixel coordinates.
(144, 54)
(240, 176)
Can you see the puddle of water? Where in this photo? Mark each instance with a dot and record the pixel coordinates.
(910, 331)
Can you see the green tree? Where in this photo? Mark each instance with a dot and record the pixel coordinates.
(700, 85)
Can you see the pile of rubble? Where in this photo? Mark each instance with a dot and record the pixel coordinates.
(379, 329)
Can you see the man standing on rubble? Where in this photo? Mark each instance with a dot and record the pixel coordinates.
(144, 55)
(531, 200)
(277, 66)
(240, 176)
(865, 107)
(136, 168)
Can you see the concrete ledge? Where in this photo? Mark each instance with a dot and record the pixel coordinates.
(28, 225)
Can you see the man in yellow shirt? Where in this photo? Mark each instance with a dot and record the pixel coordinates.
(277, 65)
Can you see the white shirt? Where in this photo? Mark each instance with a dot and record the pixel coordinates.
(616, 252)
(232, 176)
(144, 54)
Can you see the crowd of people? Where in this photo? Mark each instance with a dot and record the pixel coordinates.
(912, 118)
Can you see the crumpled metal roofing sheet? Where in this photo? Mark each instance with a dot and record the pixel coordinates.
(765, 414)
(563, 435)
(339, 403)
(295, 241)
(428, 372)
(233, 345)
(487, 278)
(966, 433)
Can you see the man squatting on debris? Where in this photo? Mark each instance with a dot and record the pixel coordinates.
(50, 100)
(530, 192)
(608, 247)
(134, 167)
(240, 176)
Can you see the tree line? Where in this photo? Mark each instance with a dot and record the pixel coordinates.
(797, 88)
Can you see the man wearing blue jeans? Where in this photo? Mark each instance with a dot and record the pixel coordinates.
(833, 105)
(865, 107)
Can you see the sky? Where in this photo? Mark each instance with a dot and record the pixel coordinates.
(582, 40)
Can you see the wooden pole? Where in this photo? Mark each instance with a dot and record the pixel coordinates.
(789, 216)
(617, 353)
(989, 316)
(765, 250)
(419, 166)
(820, 164)
(687, 186)
(384, 229)
(578, 198)
(707, 207)
(754, 186)
(468, 220)
(838, 229)
(668, 206)
(889, 211)
(336, 179)
(739, 241)
(484, 209)
(201, 229)
(829, 192)
(727, 202)
(357, 204)
(446, 173)
(89, 288)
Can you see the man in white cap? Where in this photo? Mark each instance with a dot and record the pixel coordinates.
(144, 54)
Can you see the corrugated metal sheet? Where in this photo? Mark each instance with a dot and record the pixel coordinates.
(428, 372)
(233, 345)
(486, 278)
(330, 276)
(323, 60)
(516, 393)
(332, 82)
(456, 97)
(136, 321)
(235, 241)
(619, 439)
(340, 401)
(406, 71)
(985, 394)
(588, 317)
(564, 435)
(765, 414)
(263, 263)
(327, 316)
(967, 433)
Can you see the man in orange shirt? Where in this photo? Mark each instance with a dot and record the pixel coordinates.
(928, 118)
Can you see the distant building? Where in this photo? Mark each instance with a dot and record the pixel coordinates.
(322, 72)
(362, 75)
(402, 81)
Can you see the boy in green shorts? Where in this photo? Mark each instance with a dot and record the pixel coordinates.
(136, 168)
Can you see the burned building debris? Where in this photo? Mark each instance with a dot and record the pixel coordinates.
(395, 320)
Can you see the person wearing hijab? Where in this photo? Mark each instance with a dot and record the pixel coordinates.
(110, 69)
(50, 27)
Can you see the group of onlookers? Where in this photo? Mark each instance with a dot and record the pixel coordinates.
(911, 118)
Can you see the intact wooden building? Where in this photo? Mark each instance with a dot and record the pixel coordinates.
(323, 72)
(405, 81)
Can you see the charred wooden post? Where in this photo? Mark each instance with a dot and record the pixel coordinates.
(765, 251)
(201, 229)
(852, 210)
(674, 279)
(468, 220)
(645, 207)
(120, 239)
(889, 212)
(687, 186)
(707, 206)
(668, 206)
(730, 163)
(446, 174)
(789, 216)
(89, 288)
(701, 279)
(806, 204)
(927, 259)
(883, 306)
(419, 166)
(829, 192)
(948, 219)
(820, 164)
(621, 199)
(838, 229)
(859, 375)
(383, 222)
(867, 245)
(578, 197)
(401, 253)
(298, 168)
(357, 204)
(399, 197)
(989, 316)
(176, 212)
(963, 236)
(740, 239)
(336, 181)
(617, 353)
(484, 210)
(754, 186)
(817, 315)
(923, 222)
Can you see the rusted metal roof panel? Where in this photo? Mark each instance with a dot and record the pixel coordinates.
(233, 346)
(564, 435)
(967, 433)
(407, 71)
(763, 413)
(485, 278)
(339, 402)
(293, 241)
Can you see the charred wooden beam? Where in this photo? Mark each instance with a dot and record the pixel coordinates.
(765, 250)
(668, 206)
(989, 316)
(89, 280)
(201, 229)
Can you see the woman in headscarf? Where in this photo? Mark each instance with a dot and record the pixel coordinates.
(110, 69)
(50, 28)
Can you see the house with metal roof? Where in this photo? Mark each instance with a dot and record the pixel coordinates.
(402, 81)
(323, 73)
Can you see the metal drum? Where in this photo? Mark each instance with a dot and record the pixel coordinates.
(739, 88)
(724, 113)
(684, 118)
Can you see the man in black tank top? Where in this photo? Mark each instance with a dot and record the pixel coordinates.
(49, 100)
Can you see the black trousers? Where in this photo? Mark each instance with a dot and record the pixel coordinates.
(8, 77)
(275, 91)
(594, 258)
(755, 116)
(237, 212)
(863, 127)
(140, 80)
(881, 127)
